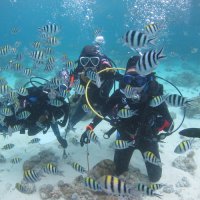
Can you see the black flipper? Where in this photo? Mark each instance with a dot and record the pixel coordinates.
(191, 132)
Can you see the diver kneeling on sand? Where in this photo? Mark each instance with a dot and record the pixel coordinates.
(40, 109)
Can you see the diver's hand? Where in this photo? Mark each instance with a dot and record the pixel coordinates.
(61, 123)
(63, 142)
(84, 138)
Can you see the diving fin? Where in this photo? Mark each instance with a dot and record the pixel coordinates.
(190, 132)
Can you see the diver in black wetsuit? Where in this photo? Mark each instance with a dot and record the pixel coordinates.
(90, 62)
(43, 115)
(143, 126)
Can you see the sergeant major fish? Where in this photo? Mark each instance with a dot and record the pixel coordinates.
(136, 39)
(148, 61)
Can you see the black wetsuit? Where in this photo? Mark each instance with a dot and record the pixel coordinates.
(142, 127)
(97, 96)
(36, 102)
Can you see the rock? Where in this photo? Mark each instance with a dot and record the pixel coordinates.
(2, 159)
(183, 183)
(45, 191)
(37, 161)
(75, 196)
(104, 167)
(185, 163)
(168, 189)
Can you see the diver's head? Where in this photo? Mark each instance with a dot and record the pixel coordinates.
(90, 56)
(134, 84)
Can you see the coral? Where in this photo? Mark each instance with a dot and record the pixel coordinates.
(39, 160)
(2, 159)
(185, 163)
(194, 110)
(49, 192)
(183, 182)
(102, 168)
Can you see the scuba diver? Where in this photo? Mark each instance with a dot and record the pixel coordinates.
(91, 61)
(138, 124)
(37, 110)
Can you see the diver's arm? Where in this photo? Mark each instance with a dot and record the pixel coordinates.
(56, 132)
(65, 109)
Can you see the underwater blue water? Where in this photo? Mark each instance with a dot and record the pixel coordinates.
(179, 19)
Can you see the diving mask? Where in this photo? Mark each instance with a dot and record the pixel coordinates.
(93, 60)
(135, 80)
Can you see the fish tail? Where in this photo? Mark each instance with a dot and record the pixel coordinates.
(152, 41)
(160, 54)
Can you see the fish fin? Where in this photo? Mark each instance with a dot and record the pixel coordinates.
(153, 41)
(194, 101)
(160, 54)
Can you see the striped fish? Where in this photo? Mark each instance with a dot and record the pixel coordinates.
(157, 100)
(123, 144)
(64, 93)
(91, 74)
(78, 167)
(31, 176)
(16, 160)
(150, 157)
(36, 44)
(149, 61)
(132, 92)
(92, 184)
(69, 64)
(22, 91)
(50, 29)
(79, 89)
(156, 186)
(28, 71)
(17, 67)
(49, 68)
(5, 89)
(176, 100)
(34, 141)
(24, 188)
(53, 41)
(12, 96)
(93, 137)
(51, 60)
(8, 146)
(37, 55)
(115, 186)
(14, 129)
(56, 81)
(147, 190)
(126, 113)
(152, 28)
(23, 115)
(86, 108)
(136, 39)
(3, 81)
(183, 146)
(6, 111)
(50, 168)
(55, 102)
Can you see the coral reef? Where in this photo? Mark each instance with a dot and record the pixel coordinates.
(2, 159)
(39, 160)
(185, 163)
